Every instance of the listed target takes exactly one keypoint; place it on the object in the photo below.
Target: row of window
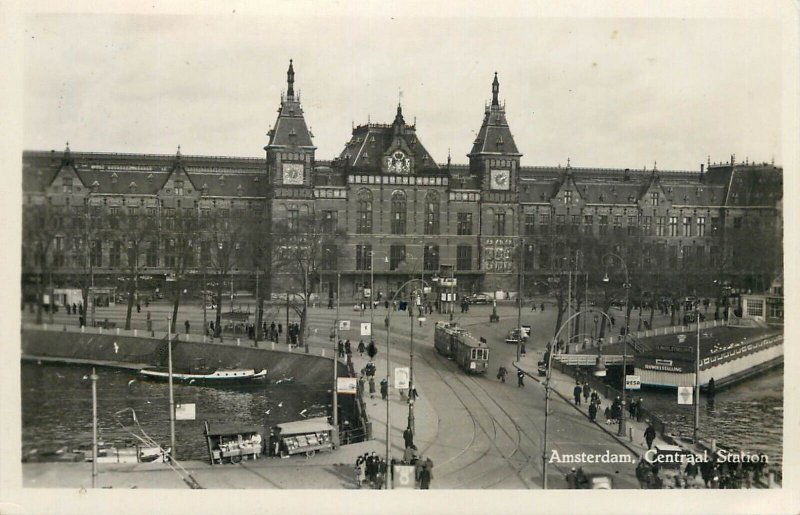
(686, 226)
(397, 255)
(402, 180)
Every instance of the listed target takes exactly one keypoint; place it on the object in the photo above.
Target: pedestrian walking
(361, 473)
(592, 411)
(384, 388)
(649, 434)
(347, 350)
(533, 307)
(186, 324)
(572, 479)
(607, 414)
(138, 308)
(520, 378)
(576, 392)
(541, 308)
(361, 348)
(372, 386)
(501, 374)
(586, 391)
(425, 477)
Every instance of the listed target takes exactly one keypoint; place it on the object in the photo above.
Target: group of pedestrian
(370, 469)
(576, 478)
(344, 349)
(369, 372)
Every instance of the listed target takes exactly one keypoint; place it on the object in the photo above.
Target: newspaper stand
(232, 443)
(304, 436)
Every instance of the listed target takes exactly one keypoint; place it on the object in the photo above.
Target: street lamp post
(388, 374)
(697, 382)
(547, 389)
(627, 286)
(94, 378)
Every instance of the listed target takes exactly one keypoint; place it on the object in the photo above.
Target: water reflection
(57, 407)
(747, 416)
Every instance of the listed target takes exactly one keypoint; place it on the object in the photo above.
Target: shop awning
(311, 425)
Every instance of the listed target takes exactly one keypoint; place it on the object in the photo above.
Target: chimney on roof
(701, 171)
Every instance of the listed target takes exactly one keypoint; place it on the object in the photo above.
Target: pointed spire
(178, 153)
(448, 157)
(290, 80)
(495, 90)
(399, 122)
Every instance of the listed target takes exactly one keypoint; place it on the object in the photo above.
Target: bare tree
(302, 249)
(180, 236)
(40, 224)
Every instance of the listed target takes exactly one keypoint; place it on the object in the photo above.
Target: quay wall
(111, 348)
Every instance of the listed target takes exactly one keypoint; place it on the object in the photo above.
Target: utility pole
(94, 378)
(519, 300)
(697, 382)
(287, 318)
(171, 398)
(335, 369)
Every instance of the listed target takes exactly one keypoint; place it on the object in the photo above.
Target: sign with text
(401, 375)
(403, 476)
(366, 329)
(344, 325)
(367, 293)
(346, 385)
(685, 395)
(185, 411)
(633, 382)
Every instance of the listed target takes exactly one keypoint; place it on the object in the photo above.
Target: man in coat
(649, 434)
(576, 393)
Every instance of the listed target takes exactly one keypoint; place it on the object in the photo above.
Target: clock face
(292, 173)
(499, 180)
(398, 162)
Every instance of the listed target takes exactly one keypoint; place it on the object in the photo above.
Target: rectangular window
(755, 307)
(169, 253)
(559, 222)
(687, 226)
(647, 222)
(530, 224)
(133, 213)
(673, 256)
(363, 258)
(330, 257)
(603, 224)
(292, 220)
(544, 223)
(115, 256)
(399, 222)
(673, 225)
(430, 257)
(588, 221)
(205, 253)
(97, 253)
(179, 187)
(432, 218)
(699, 256)
(528, 256)
(330, 222)
(618, 224)
(661, 222)
(67, 185)
(397, 254)
(568, 197)
(701, 226)
(464, 224)
(654, 198)
(499, 224)
(464, 257)
(188, 258)
(151, 259)
(364, 218)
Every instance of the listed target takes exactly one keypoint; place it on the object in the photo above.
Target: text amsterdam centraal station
(491, 224)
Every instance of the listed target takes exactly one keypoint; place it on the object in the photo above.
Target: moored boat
(215, 376)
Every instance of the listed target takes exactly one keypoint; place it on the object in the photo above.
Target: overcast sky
(604, 92)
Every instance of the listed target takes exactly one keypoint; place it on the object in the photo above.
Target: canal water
(747, 416)
(57, 407)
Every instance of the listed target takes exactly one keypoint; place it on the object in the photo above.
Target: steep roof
(494, 136)
(371, 142)
(290, 128)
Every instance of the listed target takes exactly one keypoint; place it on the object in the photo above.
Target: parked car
(513, 336)
(479, 298)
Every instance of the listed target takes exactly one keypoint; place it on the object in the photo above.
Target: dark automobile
(479, 298)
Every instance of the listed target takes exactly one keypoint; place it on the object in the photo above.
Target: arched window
(399, 211)
(364, 212)
(432, 213)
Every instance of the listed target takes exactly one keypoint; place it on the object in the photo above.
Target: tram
(457, 344)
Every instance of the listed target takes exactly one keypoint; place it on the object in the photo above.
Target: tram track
(479, 411)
